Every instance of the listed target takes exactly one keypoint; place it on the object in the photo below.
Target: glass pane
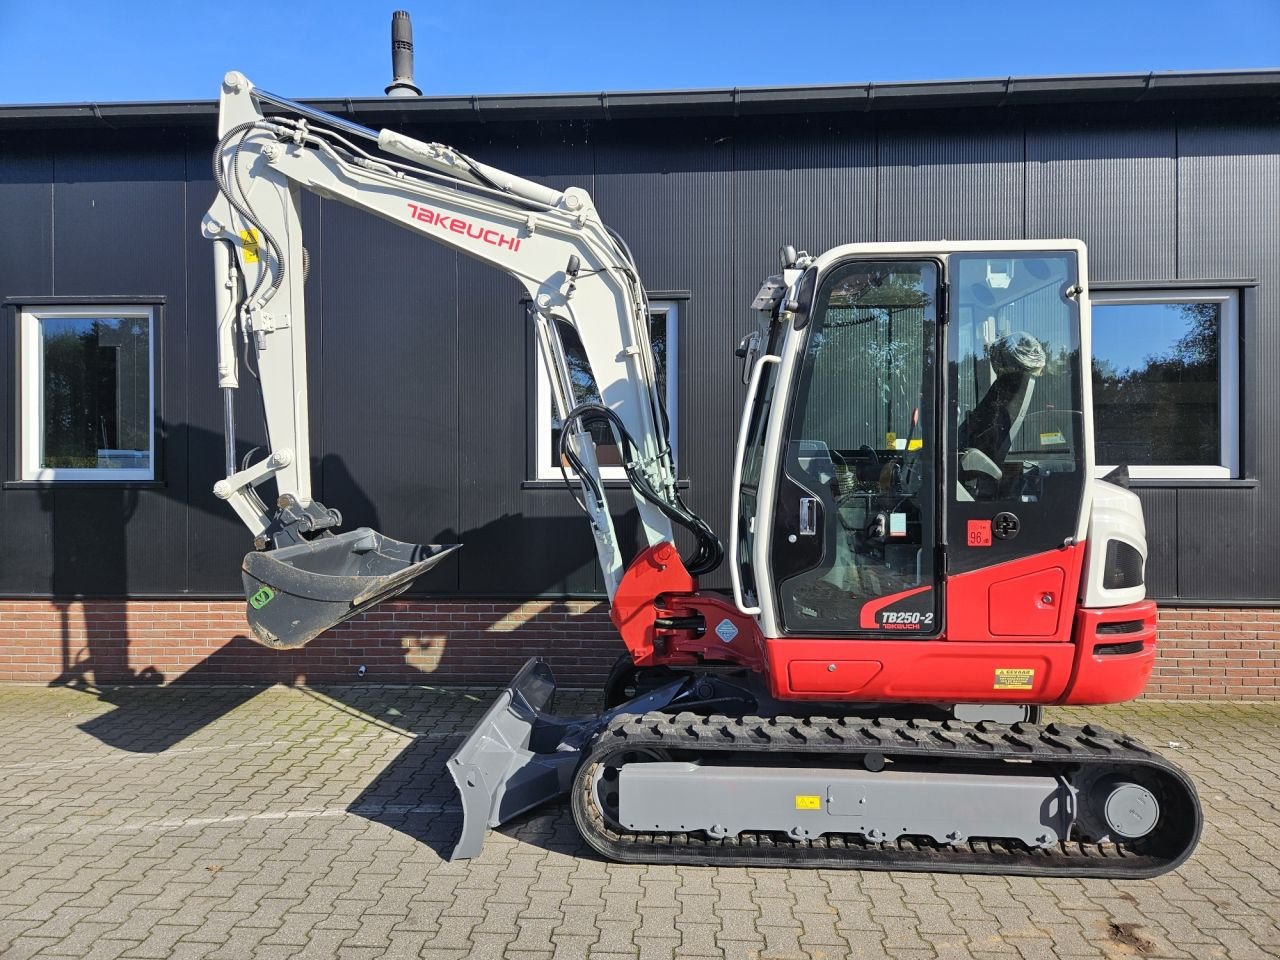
(95, 393)
(1156, 394)
(1016, 424)
(861, 449)
(585, 390)
(1015, 375)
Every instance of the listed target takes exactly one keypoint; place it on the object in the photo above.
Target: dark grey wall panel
(1114, 187)
(672, 197)
(422, 362)
(812, 185)
(119, 222)
(1228, 211)
(517, 540)
(388, 418)
(26, 236)
(1160, 510)
(1220, 551)
(26, 269)
(950, 183)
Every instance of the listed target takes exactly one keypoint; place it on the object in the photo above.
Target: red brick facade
(1221, 653)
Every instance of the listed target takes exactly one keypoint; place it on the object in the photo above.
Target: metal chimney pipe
(402, 57)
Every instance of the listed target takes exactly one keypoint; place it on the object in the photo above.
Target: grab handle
(735, 574)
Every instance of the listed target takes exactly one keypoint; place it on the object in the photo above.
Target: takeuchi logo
(476, 231)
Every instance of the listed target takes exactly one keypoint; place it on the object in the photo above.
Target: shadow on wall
(152, 712)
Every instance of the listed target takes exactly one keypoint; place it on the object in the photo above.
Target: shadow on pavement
(150, 718)
(415, 795)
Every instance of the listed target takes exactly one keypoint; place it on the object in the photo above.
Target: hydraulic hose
(709, 552)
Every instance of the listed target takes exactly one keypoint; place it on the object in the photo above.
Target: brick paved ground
(246, 823)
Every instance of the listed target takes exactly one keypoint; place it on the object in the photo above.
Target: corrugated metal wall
(422, 361)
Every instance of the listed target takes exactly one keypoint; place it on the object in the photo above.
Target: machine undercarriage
(681, 776)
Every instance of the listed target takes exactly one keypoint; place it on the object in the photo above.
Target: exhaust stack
(402, 84)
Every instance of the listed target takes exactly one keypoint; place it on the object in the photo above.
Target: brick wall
(208, 641)
(1228, 654)
(1217, 653)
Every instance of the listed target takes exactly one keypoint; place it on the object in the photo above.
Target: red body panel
(925, 670)
(1065, 655)
(989, 604)
(1104, 676)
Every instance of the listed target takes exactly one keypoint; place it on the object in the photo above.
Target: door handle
(808, 516)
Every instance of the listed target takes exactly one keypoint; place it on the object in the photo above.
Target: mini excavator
(922, 553)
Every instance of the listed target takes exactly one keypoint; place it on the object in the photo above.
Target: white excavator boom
(573, 269)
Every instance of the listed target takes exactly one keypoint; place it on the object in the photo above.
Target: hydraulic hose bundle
(709, 551)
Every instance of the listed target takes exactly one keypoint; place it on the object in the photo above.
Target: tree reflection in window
(1156, 383)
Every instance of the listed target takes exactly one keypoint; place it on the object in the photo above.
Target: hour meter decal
(476, 231)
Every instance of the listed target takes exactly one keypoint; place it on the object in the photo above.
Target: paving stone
(239, 840)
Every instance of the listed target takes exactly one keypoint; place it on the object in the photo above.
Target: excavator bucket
(296, 593)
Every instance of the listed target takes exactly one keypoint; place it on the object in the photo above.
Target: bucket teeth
(293, 594)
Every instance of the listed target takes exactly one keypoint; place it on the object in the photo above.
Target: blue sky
(77, 50)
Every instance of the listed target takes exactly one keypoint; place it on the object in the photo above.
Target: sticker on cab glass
(897, 524)
(979, 533)
(250, 244)
(1051, 438)
(1014, 678)
(806, 801)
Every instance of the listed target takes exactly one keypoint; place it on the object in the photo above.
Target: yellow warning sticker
(916, 444)
(808, 802)
(249, 243)
(1014, 678)
(890, 440)
(1051, 438)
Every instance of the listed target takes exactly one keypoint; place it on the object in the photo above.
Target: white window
(1166, 382)
(87, 393)
(663, 326)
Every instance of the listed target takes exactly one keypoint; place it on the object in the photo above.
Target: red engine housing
(1013, 633)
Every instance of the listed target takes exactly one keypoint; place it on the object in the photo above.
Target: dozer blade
(512, 760)
(296, 593)
(519, 755)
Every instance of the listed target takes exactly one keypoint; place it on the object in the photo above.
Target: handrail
(735, 574)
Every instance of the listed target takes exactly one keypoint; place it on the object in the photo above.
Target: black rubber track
(1052, 748)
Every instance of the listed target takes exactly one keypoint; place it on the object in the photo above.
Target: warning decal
(249, 244)
(808, 802)
(1014, 678)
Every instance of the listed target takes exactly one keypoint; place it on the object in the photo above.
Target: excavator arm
(304, 577)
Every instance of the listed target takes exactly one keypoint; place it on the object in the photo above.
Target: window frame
(543, 468)
(1229, 375)
(30, 435)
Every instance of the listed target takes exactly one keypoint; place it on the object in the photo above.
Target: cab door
(855, 525)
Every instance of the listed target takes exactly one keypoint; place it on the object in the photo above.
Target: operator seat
(987, 433)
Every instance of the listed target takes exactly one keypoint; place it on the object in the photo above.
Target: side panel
(1007, 602)
(921, 671)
